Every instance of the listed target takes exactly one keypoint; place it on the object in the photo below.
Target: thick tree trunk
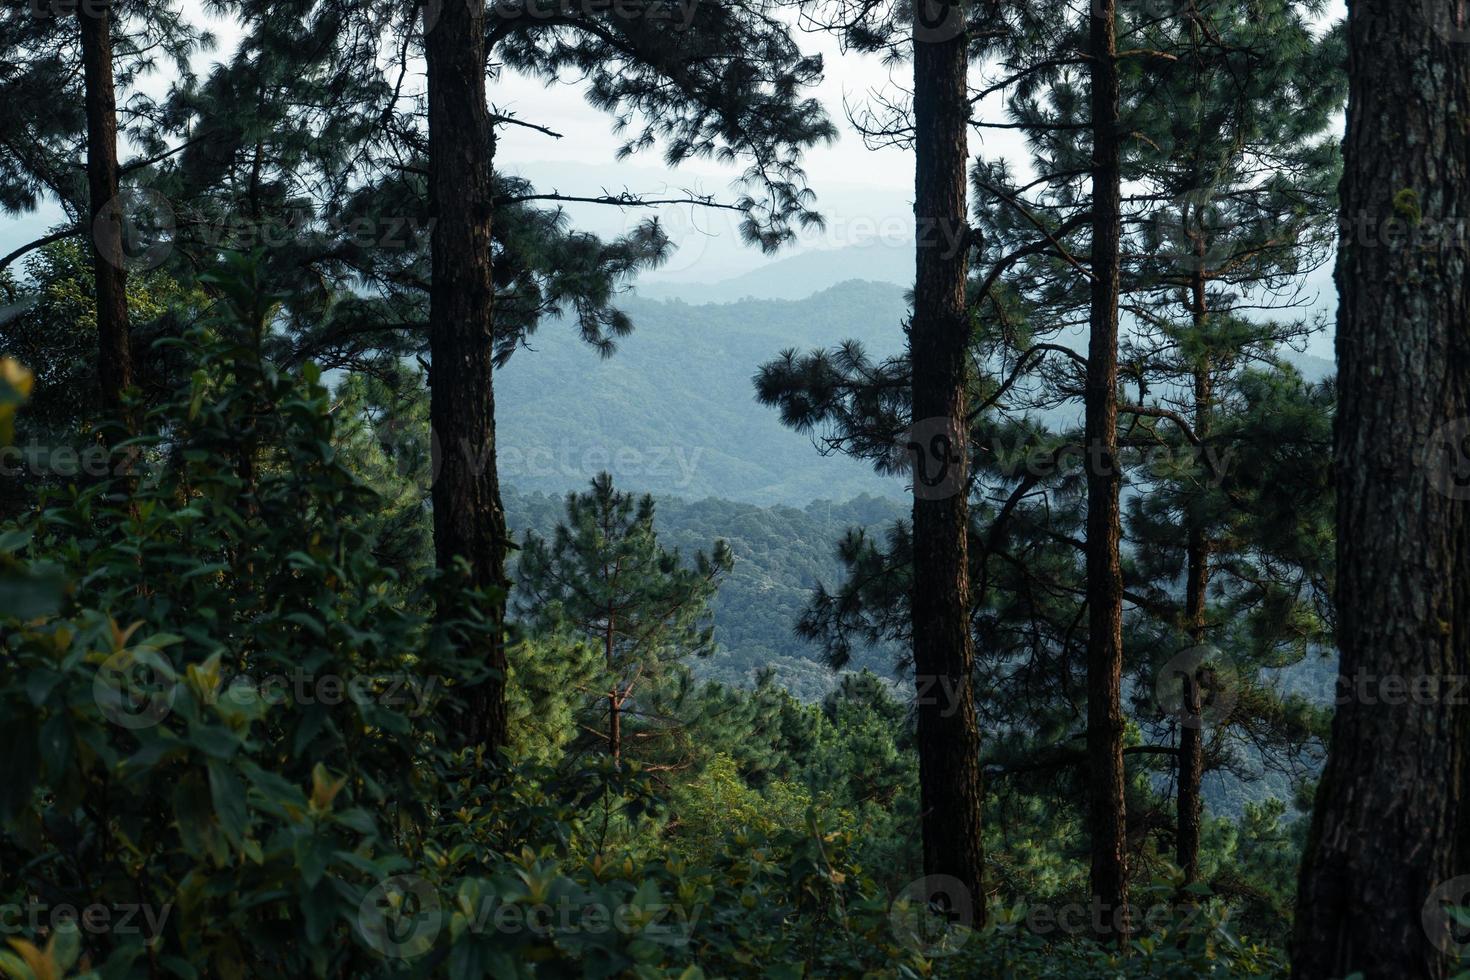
(1388, 825)
(114, 348)
(1104, 526)
(469, 521)
(948, 734)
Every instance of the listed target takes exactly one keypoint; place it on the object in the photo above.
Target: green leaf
(359, 820)
(312, 856)
(66, 945)
(214, 741)
(227, 793)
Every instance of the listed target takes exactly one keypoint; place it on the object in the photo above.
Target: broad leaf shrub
(222, 721)
(225, 718)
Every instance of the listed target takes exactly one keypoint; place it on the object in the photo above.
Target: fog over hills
(673, 412)
(800, 276)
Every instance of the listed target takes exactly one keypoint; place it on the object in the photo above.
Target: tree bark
(114, 347)
(1106, 804)
(469, 521)
(1388, 826)
(948, 734)
(1190, 771)
(1191, 731)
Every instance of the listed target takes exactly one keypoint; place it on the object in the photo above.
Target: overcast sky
(863, 193)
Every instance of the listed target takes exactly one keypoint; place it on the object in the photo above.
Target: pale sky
(863, 193)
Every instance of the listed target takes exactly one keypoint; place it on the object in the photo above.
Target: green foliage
(51, 326)
(719, 798)
(213, 721)
(780, 554)
(254, 823)
(605, 580)
(383, 434)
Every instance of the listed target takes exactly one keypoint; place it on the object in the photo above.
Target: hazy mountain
(1312, 368)
(799, 276)
(673, 412)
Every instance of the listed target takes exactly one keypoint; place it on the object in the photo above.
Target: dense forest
(399, 579)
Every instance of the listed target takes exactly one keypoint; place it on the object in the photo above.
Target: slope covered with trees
(673, 413)
(781, 555)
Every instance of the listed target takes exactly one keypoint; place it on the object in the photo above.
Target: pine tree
(469, 519)
(926, 405)
(1203, 90)
(115, 354)
(605, 578)
(1235, 100)
(728, 82)
(1389, 824)
(948, 738)
(80, 56)
(1107, 806)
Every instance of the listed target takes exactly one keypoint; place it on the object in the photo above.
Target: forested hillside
(781, 555)
(673, 412)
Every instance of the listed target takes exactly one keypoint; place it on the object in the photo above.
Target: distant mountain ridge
(673, 412)
(798, 277)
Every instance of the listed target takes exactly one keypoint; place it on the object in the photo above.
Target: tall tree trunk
(1191, 763)
(948, 734)
(114, 347)
(1198, 547)
(1388, 825)
(1106, 821)
(469, 521)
